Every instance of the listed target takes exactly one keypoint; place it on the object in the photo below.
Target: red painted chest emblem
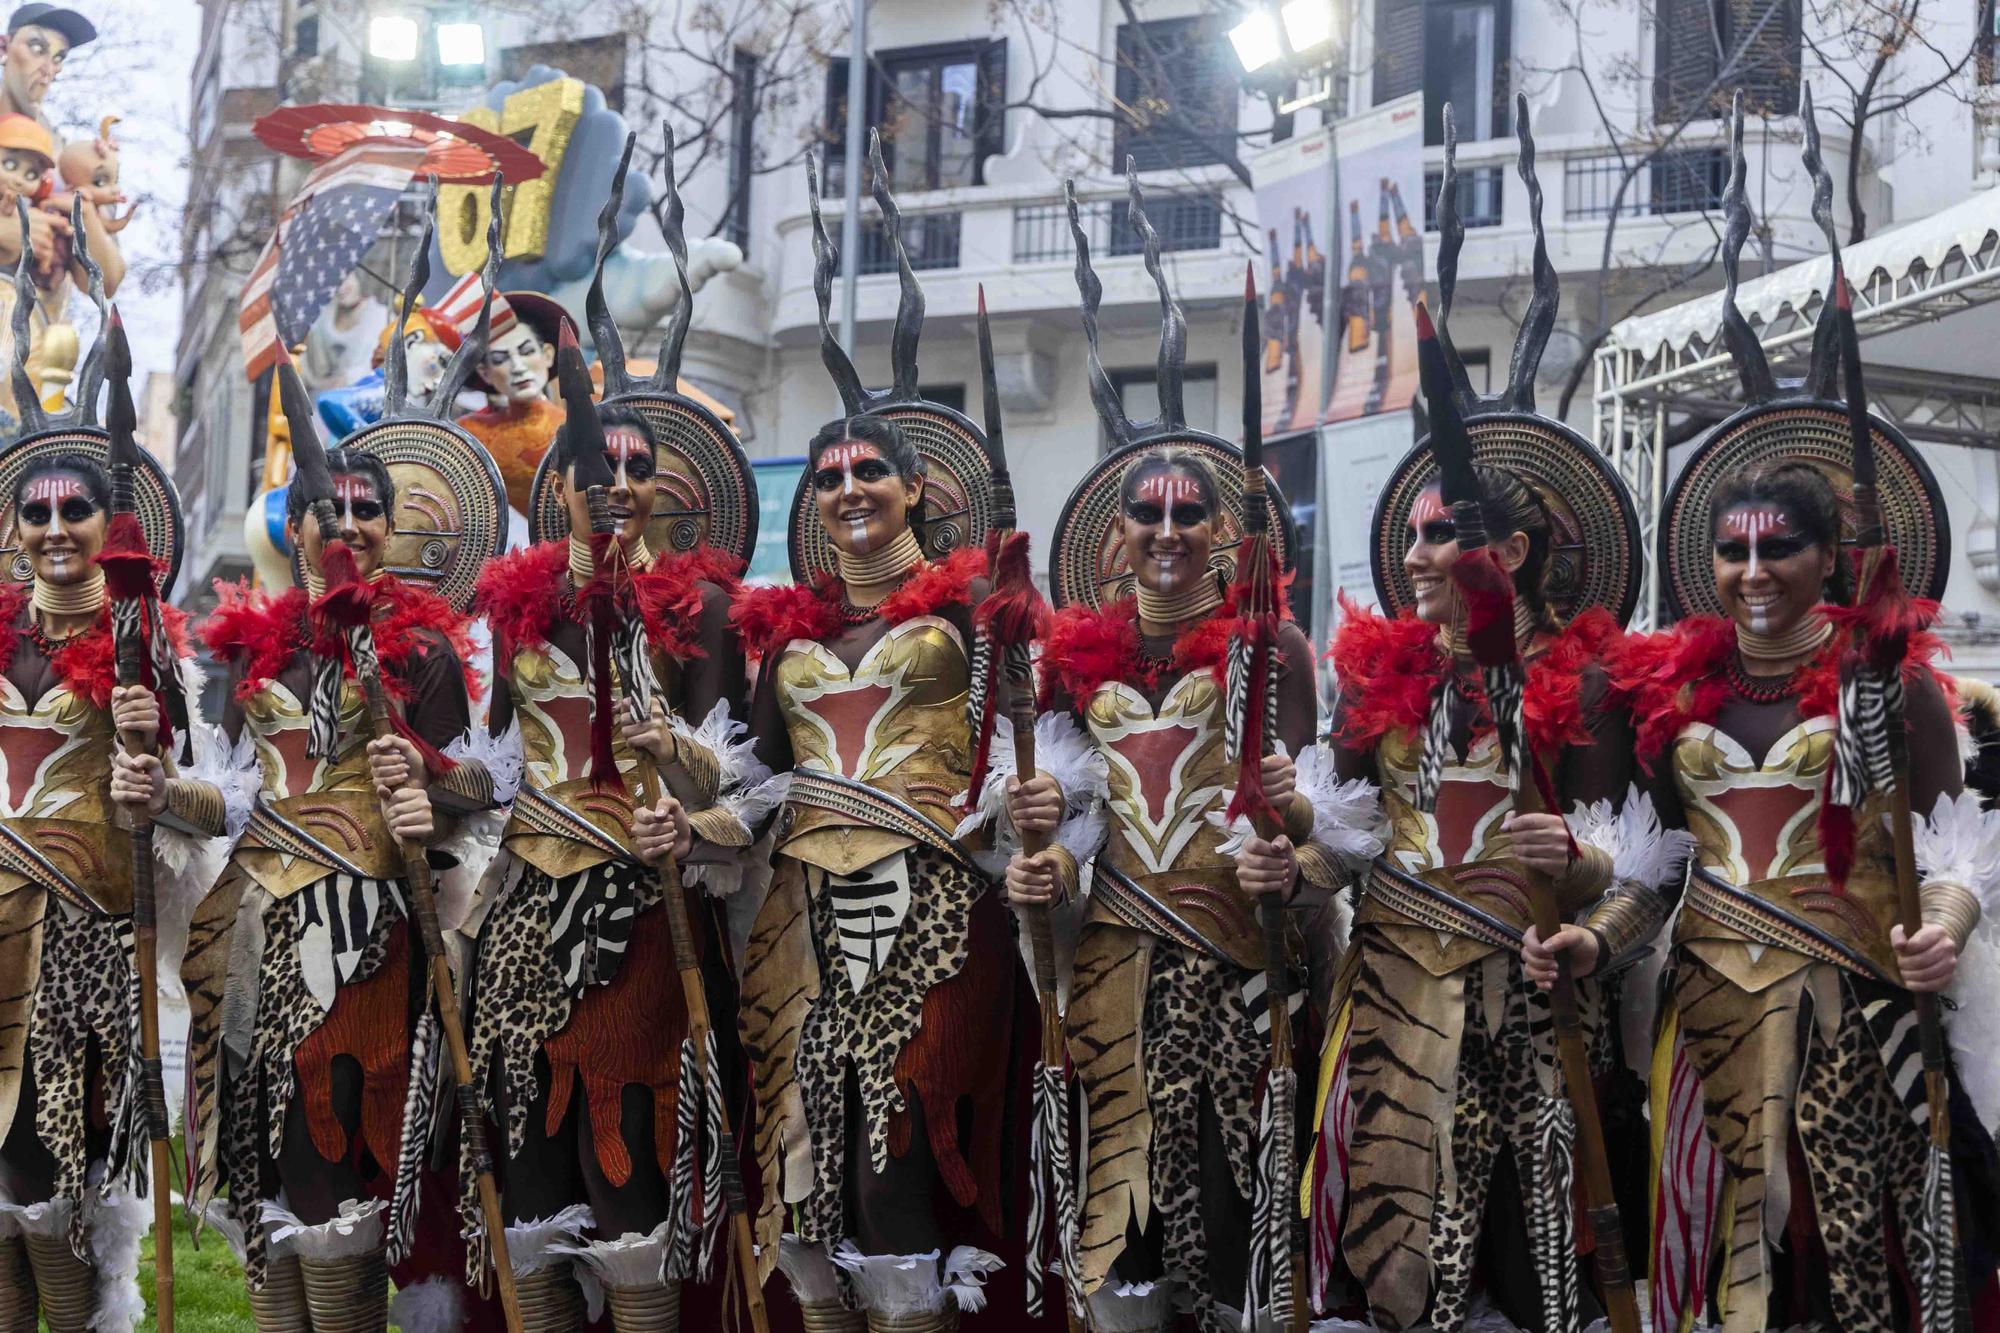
(26, 749)
(1763, 817)
(1152, 754)
(848, 712)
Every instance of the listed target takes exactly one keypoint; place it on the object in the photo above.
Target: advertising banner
(1380, 166)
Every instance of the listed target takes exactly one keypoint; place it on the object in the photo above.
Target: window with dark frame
(940, 110)
(1989, 41)
(742, 149)
(305, 37)
(1759, 39)
(1177, 81)
(1138, 390)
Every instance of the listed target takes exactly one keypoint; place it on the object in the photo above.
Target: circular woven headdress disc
(706, 492)
(1087, 556)
(1594, 557)
(958, 489)
(451, 510)
(1802, 431)
(159, 503)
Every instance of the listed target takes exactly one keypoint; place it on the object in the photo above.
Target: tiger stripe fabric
(780, 983)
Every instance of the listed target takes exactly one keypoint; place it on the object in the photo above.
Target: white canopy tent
(1924, 295)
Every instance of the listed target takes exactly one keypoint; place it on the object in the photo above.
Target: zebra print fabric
(1871, 709)
(1437, 745)
(590, 922)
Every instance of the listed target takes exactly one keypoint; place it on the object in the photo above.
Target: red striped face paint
(1167, 490)
(1753, 525)
(840, 468)
(56, 498)
(1754, 533)
(621, 445)
(352, 489)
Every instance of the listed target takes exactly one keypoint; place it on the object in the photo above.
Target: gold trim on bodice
(895, 723)
(1167, 773)
(562, 823)
(55, 800)
(1756, 831)
(314, 817)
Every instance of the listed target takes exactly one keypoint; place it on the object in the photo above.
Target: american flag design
(320, 237)
(459, 306)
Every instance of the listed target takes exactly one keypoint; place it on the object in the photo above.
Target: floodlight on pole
(1256, 41)
(392, 37)
(461, 44)
(1308, 23)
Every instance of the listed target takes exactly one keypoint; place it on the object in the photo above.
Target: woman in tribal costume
(576, 1007)
(1789, 1112)
(1441, 1074)
(1168, 1020)
(310, 1078)
(881, 979)
(72, 1129)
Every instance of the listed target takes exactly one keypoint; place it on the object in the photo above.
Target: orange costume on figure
(520, 355)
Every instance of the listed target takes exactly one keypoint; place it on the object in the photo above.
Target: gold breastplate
(313, 816)
(57, 828)
(1756, 828)
(895, 723)
(562, 823)
(1473, 797)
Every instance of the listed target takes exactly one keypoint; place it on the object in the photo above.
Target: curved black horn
(826, 259)
(1751, 365)
(90, 375)
(1823, 370)
(472, 348)
(667, 374)
(1451, 241)
(1173, 324)
(596, 313)
(27, 401)
(396, 362)
(910, 300)
(1540, 319)
(1103, 393)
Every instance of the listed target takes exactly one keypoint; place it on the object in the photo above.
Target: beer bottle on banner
(1404, 231)
(1274, 311)
(1315, 269)
(1354, 292)
(1409, 244)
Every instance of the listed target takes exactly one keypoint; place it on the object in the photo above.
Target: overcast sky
(138, 71)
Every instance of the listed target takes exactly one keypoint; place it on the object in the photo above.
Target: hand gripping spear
(1488, 592)
(1011, 618)
(613, 618)
(135, 618)
(346, 602)
(1250, 727)
(1874, 756)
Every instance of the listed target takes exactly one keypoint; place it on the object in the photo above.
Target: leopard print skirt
(89, 993)
(867, 1033)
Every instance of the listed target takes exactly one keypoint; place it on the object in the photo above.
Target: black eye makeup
(366, 511)
(868, 470)
(75, 509)
(1438, 532)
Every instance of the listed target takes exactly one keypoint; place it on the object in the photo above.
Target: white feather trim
(735, 750)
(48, 1218)
(501, 756)
(188, 864)
(1064, 753)
(117, 1221)
(1347, 816)
(1975, 991)
(751, 806)
(1959, 843)
(634, 1261)
(1133, 1307)
(533, 1246)
(435, 1305)
(357, 1229)
(893, 1284)
(965, 1271)
(1641, 851)
(809, 1269)
(218, 1217)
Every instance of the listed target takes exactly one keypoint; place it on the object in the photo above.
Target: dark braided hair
(1512, 505)
(1804, 493)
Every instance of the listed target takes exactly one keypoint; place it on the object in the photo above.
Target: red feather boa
(87, 663)
(1388, 668)
(769, 618)
(1677, 679)
(522, 596)
(261, 633)
(1088, 648)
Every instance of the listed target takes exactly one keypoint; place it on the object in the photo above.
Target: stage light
(1256, 41)
(1308, 23)
(461, 44)
(392, 37)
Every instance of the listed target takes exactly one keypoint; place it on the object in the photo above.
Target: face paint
(844, 456)
(1752, 525)
(1429, 508)
(621, 447)
(347, 490)
(1155, 500)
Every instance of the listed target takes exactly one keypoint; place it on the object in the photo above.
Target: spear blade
(996, 444)
(1255, 520)
(121, 419)
(1860, 430)
(580, 421)
(312, 479)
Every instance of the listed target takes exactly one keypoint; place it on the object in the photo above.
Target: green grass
(208, 1285)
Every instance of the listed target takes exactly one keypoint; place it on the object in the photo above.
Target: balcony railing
(1184, 222)
(1689, 180)
(1478, 196)
(931, 240)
